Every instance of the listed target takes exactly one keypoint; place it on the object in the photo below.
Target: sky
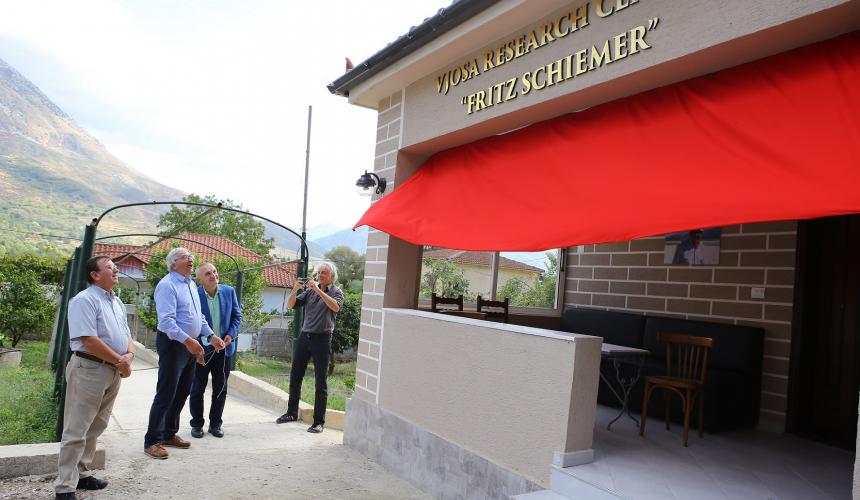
(212, 97)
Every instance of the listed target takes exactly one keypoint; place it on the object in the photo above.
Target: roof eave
(432, 28)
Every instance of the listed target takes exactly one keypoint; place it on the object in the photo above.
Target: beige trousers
(91, 389)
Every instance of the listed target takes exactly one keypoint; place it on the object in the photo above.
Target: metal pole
(62, 308)
(307, 169)
(302, 268)
(240, 280)
(63, 350)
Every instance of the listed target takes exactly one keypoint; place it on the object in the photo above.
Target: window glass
(529, 279)
(450, 273)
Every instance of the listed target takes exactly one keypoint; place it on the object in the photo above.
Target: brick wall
(388, 136)
(631, 276)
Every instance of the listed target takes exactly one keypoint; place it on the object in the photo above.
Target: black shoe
(316, 428)
(286, 417)
(197, 432)
(216, 431)
(66, 496)
(91, 483)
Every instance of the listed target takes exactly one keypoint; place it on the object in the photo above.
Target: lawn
(28, 412)
(277, 373)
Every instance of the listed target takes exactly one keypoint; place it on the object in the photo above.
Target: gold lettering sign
(575, 64)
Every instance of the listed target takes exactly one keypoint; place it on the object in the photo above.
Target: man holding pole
(180, 325)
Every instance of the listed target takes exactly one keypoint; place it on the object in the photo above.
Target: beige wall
(631, 276)
(737, 30)
(511, 394)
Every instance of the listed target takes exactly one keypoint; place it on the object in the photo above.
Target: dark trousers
(218, 364)
(175, 374)
(316, 346)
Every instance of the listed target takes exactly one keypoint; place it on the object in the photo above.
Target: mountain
(322, 230)
(287, 241)
(356, 240)
(55, 177)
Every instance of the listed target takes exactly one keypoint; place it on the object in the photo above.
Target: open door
(825, 357)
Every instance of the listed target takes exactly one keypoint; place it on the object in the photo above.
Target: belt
(97, 359)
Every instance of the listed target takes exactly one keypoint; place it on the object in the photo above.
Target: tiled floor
(736, 465)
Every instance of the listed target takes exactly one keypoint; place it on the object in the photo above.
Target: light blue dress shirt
(178, 307)
(95, 312)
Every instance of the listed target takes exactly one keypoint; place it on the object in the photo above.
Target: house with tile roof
(132, 260)
(477, 267)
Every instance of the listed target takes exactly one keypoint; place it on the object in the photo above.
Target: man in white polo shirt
(102, 354)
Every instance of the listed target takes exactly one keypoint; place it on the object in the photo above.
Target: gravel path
(256, 459)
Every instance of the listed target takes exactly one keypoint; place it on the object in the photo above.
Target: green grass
(28, 411)
(277, 373)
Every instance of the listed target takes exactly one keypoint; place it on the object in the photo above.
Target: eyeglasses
(185, 257)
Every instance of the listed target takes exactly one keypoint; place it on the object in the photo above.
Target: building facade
(491, 68)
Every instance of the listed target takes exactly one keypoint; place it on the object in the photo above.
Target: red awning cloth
(774, 139)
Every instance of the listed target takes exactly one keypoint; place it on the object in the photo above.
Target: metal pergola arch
(76, 280)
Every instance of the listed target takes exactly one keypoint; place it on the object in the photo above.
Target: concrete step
(564, 481)
(36, 459)
(539, 495)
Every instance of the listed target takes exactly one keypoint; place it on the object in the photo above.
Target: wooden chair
(686, 377)
(498, 308)
(436, 300)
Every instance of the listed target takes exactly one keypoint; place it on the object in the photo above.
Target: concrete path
(256, 458)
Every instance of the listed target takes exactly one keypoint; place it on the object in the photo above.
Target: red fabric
(774, 139)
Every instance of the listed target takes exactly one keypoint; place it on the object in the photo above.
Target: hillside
(55, 177)
(356, 240)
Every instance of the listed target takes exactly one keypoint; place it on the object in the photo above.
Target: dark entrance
(825, 355)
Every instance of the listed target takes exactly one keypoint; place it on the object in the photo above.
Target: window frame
(519, 310)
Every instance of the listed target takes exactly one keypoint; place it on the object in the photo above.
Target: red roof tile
(283, 276)
(478, 259)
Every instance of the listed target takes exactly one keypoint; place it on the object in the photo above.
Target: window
(529, 279)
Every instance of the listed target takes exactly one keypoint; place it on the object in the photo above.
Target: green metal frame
(76, 280)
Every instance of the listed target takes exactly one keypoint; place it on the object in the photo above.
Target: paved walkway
(256, 458)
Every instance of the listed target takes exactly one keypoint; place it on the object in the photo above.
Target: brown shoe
(176, 442)
(156, 451)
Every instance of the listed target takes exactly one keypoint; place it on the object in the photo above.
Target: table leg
(626, 384)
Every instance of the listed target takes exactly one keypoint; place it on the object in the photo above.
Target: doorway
(824, 377)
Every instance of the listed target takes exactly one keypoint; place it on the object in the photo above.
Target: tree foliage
(347, 324)
(350, 267)
(29, 286)
(541, 293)
(251, 301)
(240, 228)
(445, 279)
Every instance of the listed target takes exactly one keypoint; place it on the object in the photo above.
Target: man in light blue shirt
(180, 325)
(101, 342)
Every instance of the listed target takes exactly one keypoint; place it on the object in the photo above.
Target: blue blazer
(231, 314)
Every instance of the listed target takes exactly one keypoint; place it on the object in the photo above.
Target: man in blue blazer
(221, 309)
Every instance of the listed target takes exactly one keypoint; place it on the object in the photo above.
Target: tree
(443, 278)
(542, 293)
(346, 326)
(242, 229)
(350, 267)
(28, 294)
(251, 302)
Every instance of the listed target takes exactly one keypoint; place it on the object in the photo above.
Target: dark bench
(733, 383)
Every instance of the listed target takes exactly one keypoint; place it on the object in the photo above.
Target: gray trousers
(91, 389)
